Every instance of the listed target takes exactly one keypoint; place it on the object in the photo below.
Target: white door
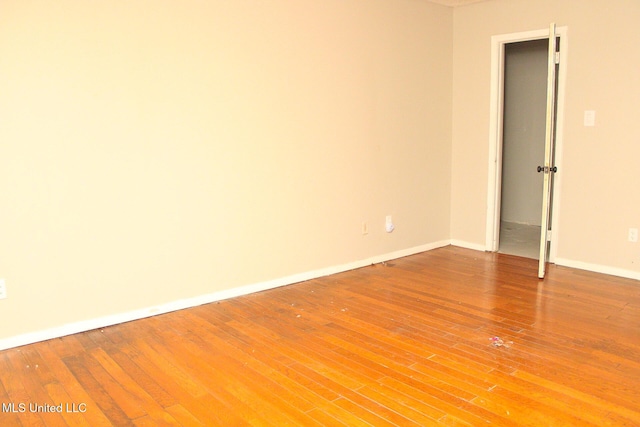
(548, 169)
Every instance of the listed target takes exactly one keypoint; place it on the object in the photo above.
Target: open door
(549, 148)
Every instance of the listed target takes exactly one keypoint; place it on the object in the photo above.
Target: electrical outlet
(633, 235)
(589, 118)
(388, 224)
(3, 289)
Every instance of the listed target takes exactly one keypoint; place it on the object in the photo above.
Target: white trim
(468, 245)
(598, 268)
(495, 142)
(495, 134)
(105, 321)
(565, 262)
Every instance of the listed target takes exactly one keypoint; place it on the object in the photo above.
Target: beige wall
(599, 184)
(153, 151)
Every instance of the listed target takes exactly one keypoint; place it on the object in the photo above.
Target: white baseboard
(468, 245)
(105, 321)
(598, 268)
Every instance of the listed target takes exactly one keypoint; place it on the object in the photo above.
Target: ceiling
(453, 3)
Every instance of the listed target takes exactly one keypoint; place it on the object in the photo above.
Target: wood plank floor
(406, 343)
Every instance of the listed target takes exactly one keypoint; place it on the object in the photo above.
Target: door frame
(496, 109)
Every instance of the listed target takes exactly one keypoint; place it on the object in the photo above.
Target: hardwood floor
(397, 344)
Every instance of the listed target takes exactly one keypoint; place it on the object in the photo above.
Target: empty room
(288, 212)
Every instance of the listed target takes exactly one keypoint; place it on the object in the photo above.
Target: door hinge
(548, 235)
(557, 57)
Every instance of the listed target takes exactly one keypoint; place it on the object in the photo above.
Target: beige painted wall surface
(158, 150)
(599, 195)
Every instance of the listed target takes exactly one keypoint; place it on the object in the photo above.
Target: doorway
(523, 135)
(515, 200)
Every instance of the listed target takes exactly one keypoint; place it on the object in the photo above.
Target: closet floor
(519, 239)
